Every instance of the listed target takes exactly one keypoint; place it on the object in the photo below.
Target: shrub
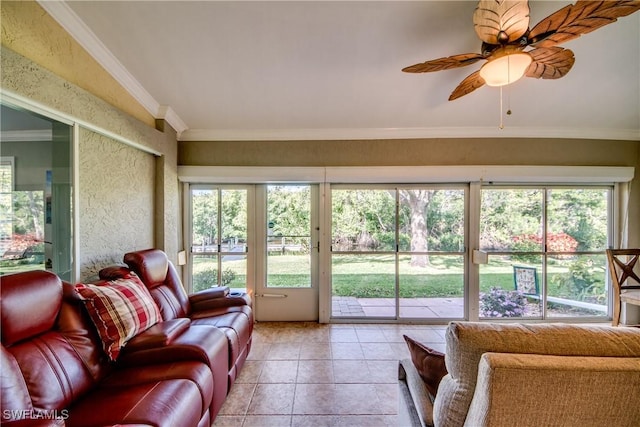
(556, 242)
(500, 303)
(209, 278)
(582, 282)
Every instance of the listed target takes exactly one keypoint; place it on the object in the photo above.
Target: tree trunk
(418, 200)
(35, 210)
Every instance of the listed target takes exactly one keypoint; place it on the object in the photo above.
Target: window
(218, 237)
(546, 252)
(6, 202)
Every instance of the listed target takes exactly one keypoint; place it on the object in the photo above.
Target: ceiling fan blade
(550, 63)
(572, 21)
(468, 85)
(499, 22)
(447, 63)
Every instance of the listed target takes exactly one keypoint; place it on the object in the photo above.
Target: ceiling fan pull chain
(509, 100)
(501, 123)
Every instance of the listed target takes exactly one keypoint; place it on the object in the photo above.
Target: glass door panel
(218, 237)
(431, 229)
(289, 236)
(577, 236)
(363, 250)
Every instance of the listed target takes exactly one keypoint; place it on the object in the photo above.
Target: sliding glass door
(398, 252)
(545, 250)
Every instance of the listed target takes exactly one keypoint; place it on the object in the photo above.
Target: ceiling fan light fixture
(506, 69)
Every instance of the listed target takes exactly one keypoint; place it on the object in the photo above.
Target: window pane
(204, 207)
(577, 220)
(6, 177)
(363, 285)
(510, 287)
(511, 220)
(205, 272)
(234, 220)
(577, 285)
(289, 236)
(234, 271)
(363, 220)
(435, 291)
(431, 220)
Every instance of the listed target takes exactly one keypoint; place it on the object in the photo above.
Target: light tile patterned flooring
(313, 375)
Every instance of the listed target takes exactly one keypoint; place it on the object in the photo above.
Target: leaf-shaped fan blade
(500, 22)
(572, 21)
(447, 63)
(550, 62)
(468, 85)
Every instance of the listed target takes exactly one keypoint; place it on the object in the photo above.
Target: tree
(418, 202)
(204, 206)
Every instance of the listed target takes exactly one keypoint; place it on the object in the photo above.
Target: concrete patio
(413, 308)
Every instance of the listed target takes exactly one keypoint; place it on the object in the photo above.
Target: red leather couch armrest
(159, 335)
(208, 294)
(232, 299)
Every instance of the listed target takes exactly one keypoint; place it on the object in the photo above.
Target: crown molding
(170, 116)
(404, 133)
(26, 135)
(72, 24)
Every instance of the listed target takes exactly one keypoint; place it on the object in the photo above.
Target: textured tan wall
(116, 201)
(111, 173)
(28, 30)
(411, 152)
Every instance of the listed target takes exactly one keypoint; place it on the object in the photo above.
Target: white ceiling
(233, 70)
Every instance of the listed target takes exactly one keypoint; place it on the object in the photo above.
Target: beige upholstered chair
(624, 277)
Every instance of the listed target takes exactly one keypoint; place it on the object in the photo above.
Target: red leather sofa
(217, 307)
(54, 370)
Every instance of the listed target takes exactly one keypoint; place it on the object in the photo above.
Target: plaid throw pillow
(120, 309)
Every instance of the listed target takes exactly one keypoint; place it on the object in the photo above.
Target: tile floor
(307, 374)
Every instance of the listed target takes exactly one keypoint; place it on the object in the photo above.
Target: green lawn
(373, 276)
(16, 266)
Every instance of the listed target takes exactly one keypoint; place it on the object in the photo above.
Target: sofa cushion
(14, 396)
(428, 362)
(41, 292)
(468, 341)
(163, 403)
(583, 391)
(120, 309)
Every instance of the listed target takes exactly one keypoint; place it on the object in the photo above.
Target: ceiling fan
(503, 27)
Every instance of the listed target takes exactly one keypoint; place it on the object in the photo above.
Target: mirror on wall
(36, 221)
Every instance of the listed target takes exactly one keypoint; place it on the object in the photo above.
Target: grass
(17, 266)
(373, 276)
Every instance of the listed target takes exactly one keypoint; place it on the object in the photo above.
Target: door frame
(285, 304)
